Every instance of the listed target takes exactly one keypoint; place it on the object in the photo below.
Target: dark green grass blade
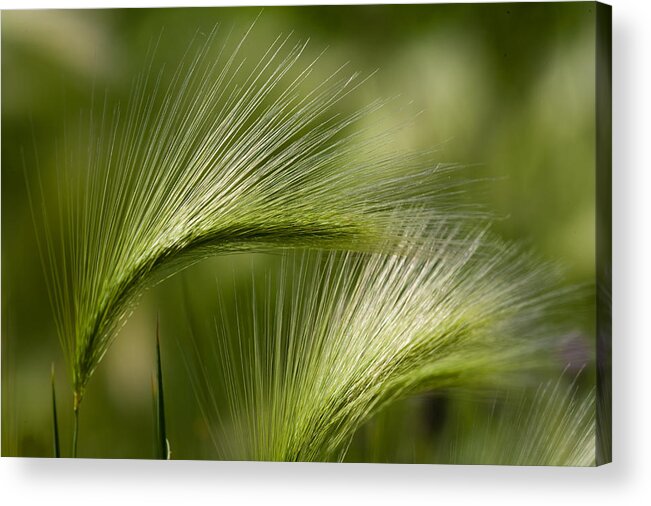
(55, 423)
(163, 450)
(154, 417)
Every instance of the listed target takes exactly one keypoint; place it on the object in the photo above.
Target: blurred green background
(506, 90)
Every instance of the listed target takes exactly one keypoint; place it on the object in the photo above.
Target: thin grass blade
(163, 446)
(55, 422)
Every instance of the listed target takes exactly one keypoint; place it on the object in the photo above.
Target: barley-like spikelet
(214, 158)
(341, 335)
(555, 426)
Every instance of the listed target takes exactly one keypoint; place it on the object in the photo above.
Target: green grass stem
(55, 423)
(163, 447)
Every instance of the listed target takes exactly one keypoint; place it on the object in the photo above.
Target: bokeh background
(506, 90)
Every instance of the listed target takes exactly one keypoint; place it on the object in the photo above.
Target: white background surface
(625, 482)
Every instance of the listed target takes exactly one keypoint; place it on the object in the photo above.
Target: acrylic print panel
(347, 234)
